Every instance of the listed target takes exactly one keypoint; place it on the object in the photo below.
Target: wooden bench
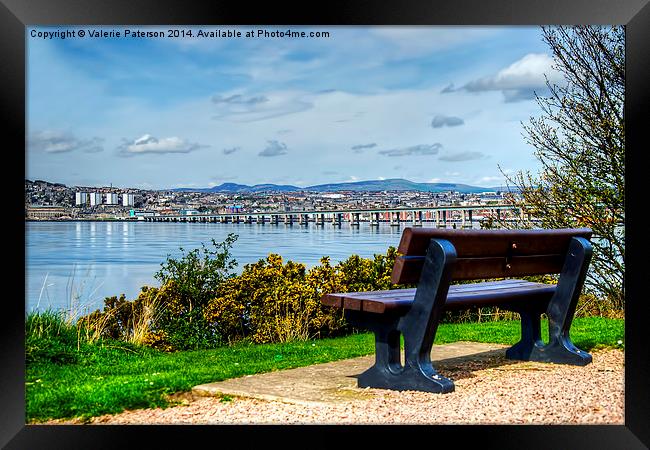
(433, 258)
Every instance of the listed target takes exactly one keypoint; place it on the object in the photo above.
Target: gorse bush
(272, 301)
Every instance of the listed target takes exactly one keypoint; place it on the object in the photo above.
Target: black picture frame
(17, 15)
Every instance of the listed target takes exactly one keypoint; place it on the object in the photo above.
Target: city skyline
(427, 104)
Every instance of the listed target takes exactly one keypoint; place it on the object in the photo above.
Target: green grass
(112, 377)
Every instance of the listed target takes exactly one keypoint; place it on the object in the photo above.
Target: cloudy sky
(429, 104)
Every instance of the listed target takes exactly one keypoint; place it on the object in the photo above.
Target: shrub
(276, 302)
(191, 282)
(172, 316)
(269, 302)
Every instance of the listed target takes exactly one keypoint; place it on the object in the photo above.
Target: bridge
(416, 216)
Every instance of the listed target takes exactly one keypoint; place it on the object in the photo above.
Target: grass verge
(110, 377)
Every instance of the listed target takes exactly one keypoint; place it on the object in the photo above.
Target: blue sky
(429, 104)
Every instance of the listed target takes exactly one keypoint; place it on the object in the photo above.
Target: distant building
(45, 212)
(81, 198)
(128, 199)
(189, 212)
(140, 213)
(111, 199)
(95, 198)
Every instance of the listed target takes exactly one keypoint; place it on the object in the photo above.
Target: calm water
(75, 265)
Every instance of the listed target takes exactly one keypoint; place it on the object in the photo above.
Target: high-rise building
(95, 198)
(128, 199)
(111, 199)
(81, 198)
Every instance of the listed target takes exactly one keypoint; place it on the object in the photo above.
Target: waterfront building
(81, 198)
(189, 212)
(128, 199)
(95, 198)
(111, 199)
(37, 212)
(141, 214)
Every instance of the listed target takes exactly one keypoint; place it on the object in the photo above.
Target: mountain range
(393, 184)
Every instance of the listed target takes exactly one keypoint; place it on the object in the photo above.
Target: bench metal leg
(531, 336)
(560, 311)
(387, 348)
(418, 327)
(420, 324)
(388, 372)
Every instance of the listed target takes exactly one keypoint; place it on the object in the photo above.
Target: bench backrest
(487, 253)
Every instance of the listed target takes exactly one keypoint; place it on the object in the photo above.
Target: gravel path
(496, 392)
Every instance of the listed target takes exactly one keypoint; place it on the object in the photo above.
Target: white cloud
(238, 108)
(440, 121)
(520, 79)
(54, 141)
(422, 149)
(274, 148)
(150, 144)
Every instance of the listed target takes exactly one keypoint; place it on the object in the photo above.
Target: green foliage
(273, 301)
(579, 139)
(171, 317)
(191, 282)
(198, 273)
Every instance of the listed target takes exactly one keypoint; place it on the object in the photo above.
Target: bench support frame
(560, 312)
(420, 324)
(418, 327)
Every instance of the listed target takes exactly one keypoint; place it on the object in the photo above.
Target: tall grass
(79, 300)
(50, 337)
(91, 329)
(143, 319)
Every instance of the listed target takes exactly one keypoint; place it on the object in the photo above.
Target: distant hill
(243, 188)
(48, 183)
(394, 184)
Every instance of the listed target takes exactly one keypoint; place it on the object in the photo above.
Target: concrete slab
(336, 381)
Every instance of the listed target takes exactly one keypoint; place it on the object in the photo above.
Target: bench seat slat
(399, 301)
(457, 288)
